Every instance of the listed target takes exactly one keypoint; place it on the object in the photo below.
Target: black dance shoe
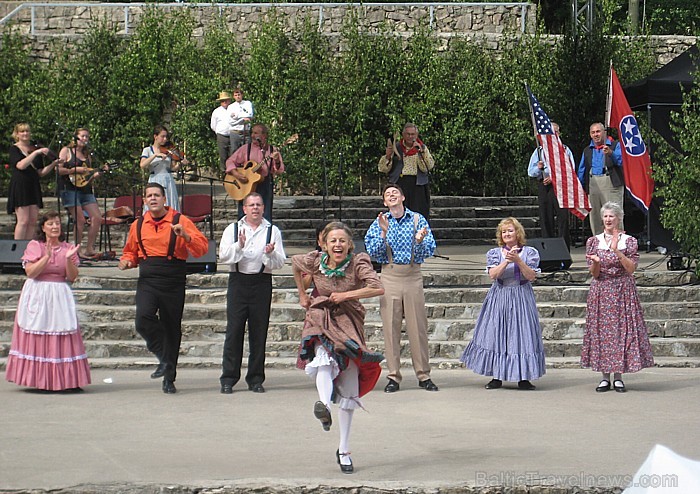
(322, 413)
(344, 468)
(392, 387)
(603, 386)
(226, 389)
(428, 385)
(526, 385)
(169, 387)
(619, 386)
(257, 388)
(159, 372)
(494, 384)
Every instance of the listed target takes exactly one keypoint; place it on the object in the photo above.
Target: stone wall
(62, 19)
(64, 23)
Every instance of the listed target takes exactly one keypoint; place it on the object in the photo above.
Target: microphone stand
(341, 186)
(324, 165)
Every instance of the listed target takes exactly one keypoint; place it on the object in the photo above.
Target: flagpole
(651, 136)
(608, 100)
(534, 125)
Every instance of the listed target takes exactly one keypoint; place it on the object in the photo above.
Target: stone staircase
(455, 220)
(106, 312)
(455, 290)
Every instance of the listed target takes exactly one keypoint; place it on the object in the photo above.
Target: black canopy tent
(660, 94)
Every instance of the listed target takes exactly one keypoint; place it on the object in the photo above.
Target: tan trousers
(601, 191)
(403, 296)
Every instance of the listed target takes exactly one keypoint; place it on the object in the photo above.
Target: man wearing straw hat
(220, 124)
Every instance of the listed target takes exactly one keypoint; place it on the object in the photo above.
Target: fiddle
(170, 149)
(50, 155)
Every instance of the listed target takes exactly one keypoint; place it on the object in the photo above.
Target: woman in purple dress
(507, 341)
(615, 339)
(333, 349)
(47, 351)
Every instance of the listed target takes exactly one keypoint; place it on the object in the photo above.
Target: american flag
(567, 186)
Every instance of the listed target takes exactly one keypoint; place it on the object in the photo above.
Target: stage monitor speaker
(206, 263)
(11, 252)
(554, 256)
(360, 247)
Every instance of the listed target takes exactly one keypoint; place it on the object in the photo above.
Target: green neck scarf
(339, 271)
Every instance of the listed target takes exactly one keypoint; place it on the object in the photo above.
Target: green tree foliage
(343, 97)
(678, 176)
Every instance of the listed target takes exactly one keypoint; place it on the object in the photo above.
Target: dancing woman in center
(333, 348)
(507, 342)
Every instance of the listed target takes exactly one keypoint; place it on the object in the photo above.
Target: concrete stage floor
(123, 433)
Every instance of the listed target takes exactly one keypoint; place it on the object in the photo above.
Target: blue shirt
(534, 171)
(598, 160)
(400, 237)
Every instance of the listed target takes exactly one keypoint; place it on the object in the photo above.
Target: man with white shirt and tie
(252, 247)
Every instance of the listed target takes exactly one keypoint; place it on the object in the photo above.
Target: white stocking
(324, 384)
(344, 424)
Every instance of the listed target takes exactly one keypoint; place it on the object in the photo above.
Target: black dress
(25, 189)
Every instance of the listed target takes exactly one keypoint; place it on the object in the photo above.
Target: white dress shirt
(252, 256)
(220, 121)
(238, 111)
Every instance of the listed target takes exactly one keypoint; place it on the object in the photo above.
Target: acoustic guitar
(238, 189)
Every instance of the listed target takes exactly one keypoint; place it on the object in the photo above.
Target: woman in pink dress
(47, 350)
(615, 340)
(333, 348)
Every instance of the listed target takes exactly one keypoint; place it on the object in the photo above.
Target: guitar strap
(272, 150)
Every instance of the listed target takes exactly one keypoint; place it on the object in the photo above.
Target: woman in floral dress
(333, 348)
(616, 339)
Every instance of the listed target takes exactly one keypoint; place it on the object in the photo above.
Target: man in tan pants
(401, 240)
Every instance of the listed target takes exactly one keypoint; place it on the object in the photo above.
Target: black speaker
(204, 264)
(554, 255)
(11, 252)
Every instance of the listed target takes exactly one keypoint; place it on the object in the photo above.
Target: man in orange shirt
(159, 244)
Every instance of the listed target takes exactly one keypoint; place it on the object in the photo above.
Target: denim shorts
(68, 198)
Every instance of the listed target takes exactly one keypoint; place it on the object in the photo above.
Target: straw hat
(223, 95)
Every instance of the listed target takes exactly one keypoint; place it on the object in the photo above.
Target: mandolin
(82, 179)
(236, 189)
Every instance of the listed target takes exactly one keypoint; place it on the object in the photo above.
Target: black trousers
(160, 299)
(417, 196)
(549, 208)
(248, 300)
(223, 144)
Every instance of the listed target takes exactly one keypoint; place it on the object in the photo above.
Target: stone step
(448, 331)
(212, 349)
(687, 296)
(184, 362)
(293, 312)
(455, 220)
(438, 273)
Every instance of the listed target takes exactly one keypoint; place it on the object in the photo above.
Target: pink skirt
(47, 361)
